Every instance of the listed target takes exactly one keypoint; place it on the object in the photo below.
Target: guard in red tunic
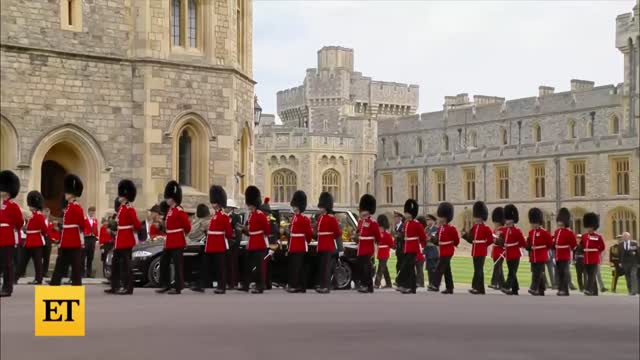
(11, 222)
(258, 229)
(564, 241)
(299, 237)
(539, 242)
(593, 245)
(448, 240)
(72, 238)
(126, 239)
(368, 236)
(329, 238)
(513, 241)
(497, 250)
(36, 233)
(414, 236)
(178, 226)
(384, 248)
(90, 238)
(480, 237)
(216, 249)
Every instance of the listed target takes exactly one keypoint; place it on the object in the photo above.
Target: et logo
(59, 311)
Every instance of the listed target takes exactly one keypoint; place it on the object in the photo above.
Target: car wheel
(154, 272)
(342, 275)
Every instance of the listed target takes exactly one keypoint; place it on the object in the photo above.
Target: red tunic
(91, 227)
(128, 226)
(301, 234)
(178, 225)
(482, 238)
(328, 232)
(385, 245)
(448, 239)
(219, 233)
(154, 231)
(11, 222)
(564, 240)
(496, 250)
(513, 241)
(259, 230)
(105, 236)
(72, 227)
(54, 233)
(414, 236)
(593, 245)
(540, 241)
(368, 235)
(36, 231)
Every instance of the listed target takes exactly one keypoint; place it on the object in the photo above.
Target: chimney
(546, 90)
(486, 100)
(581, 85)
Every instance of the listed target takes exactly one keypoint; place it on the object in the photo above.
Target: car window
(347, 226)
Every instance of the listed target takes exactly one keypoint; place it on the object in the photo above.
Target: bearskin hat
(536, 216)
(445, 210)
(411, 207)
(127, 190)
(591, 220)
(173, 190)
(299, 200)
(497, 216)
(480, 210)
(73, 185)
(383, 221)
(164, 208)
(252, 196)
(35, 200)
(511, 213)
(367, 203)
(326, 201)
(564, 216)
(202, 211)
(217, 195)
(9, 183)
(64, 202)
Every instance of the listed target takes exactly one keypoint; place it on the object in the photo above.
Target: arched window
(284, 183)
(419, 145)
(331, 183)
(8, 144)
(537, 133)
(589, 128)
(504, 140)
(571, 129)
(623, 220)
(473, 139)
(184, 158)
(382, 147)
(396, 148)
(614, 125)
(193, 24)
(71, 15)
(190, 151)
(356, 192)
(445, 143)
(186, 22)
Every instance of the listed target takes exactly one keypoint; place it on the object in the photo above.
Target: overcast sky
(495, 48)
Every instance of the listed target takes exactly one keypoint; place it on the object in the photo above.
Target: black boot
(162, 290)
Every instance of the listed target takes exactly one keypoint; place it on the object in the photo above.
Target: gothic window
(623, 220)
(190, 152)
(620, 176)
(571, 129)
(537, 175)
(382, 147)
(470, 184)
(536, 133)
(71, 15)
(445, 143)
(412, 184)
(440, 184)
(473, 139)
(614, 125)
(186, 27)
(504, 140)
(184, 158)
(284, 183)
(396, 148)
(192, 24)
(419, 145)
(502, 181)
(388, 188)
(331, 183)
(577, 177)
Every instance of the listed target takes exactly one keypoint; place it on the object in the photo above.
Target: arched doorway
(51, 186)
(8, 144)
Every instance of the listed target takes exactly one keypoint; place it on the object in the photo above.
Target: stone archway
(8, 144)
(69, 149)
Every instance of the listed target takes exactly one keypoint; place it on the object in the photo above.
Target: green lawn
(462, 268)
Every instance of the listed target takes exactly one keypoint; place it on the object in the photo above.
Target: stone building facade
(328, 137)
(576, 149)
(148, 90)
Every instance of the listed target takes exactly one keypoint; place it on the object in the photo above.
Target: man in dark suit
(398, 234)
(629, 252)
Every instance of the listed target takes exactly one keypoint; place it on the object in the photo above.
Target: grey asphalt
(341, 325)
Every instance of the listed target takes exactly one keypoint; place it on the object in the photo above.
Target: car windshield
(344, 220)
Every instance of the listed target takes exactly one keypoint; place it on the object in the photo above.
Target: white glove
(271, 252)
(341, 254)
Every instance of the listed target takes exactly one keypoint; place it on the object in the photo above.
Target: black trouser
(478, 274)
(399, 260)
(121, 270)
(564, 277)
(497, 277)
(326, 265)
(87, 255)
(580, 274)
(6, 268)
(17, 258)
(591, 281)
(383, 270)
(420, 273)
(255, 260)
(407, 278)
(68, 257)
(512, 276)
(46, 256)
(168, 256)
(632, 277)
(214, 260)
(444, 268)
(365, 264)
(232, 265)
(537, 277)
(296, 271)
(34, 254)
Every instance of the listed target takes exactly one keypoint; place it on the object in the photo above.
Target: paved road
(341, 325)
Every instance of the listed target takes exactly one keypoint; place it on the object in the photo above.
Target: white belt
(215, 232)
(478, 241)
(538, 247)
(590, 250)
(33, 231)
(296, 235)
(511, 244)
(562, 246)
(412, 238)
(367, 238)
(383, 246)
(125, 227)
(4, 225)
(325, 233)
(174, 231)
(69, 226)
(446, 243)
(256, 232)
